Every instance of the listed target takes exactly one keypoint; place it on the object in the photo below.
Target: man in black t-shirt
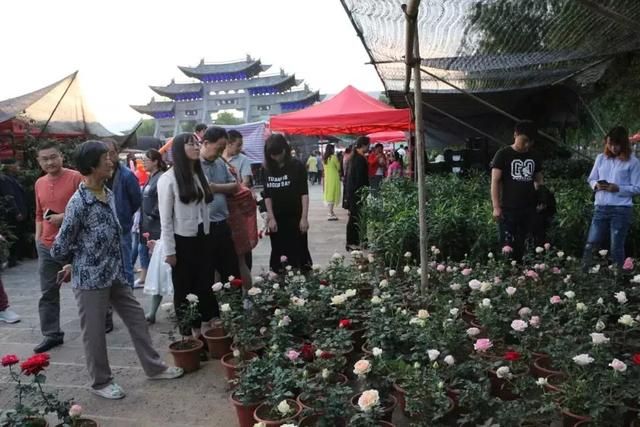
(516, 172)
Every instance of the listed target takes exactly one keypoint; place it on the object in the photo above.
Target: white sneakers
(9, 316)
(114, 392)
(169, 374)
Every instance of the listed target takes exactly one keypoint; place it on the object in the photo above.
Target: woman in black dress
(286, 197)
(357, 178)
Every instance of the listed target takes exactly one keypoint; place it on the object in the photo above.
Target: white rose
(370, 258)
(600, 301)
(167, 306)
(383, 310)
(542, 381)
(423, 314)
(227, 285)
(285, 321)
(570, 294)
(299, 302)
(217, 286)
(514, 263)
(316, 267)
(338, 299)
(598, 338)
(583, 359)
(225, 308)
(626, 320)
(416, 321)
(288, 268)
(384, 283)
(236, 353)
(433, 354)
(254, 291)
(263, 330)
(362, 367)
(455, 286)
(192, 298)
(519, 325)
(539, 250)
(621, 297)
(503, 372)
(560, 254)
(290, 274)
(350, 293)
(276, 286)
(636, 279)
(407, 254)
(486, 302)
(603, 252)
(277, 312)
(581, 306)
(490, 255)
(600, 325)
(406, 269)
(475, 284)
(449, 360)
(524, 312)
(454, 312)
(230, 279)
(260, 424)
(376, 300)
(376, 351)
(419, 271)
(368, 400)
(326, 373)
(258, 280)
(510, 290)
(284, 408)
(472, 332)
(318, 353)
(618, 365)
(486, 287)
(392, 273)
(336, 256)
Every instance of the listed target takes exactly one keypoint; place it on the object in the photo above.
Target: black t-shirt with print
(285, 187)
(518, 176)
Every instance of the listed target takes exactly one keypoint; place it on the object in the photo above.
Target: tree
(146, 128)
(227, 118)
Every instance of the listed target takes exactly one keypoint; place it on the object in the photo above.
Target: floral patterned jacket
(89, 238)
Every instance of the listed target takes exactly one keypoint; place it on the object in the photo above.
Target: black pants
(17, 249)
(353, 226)
(514, 228)
(192, 275)
(223, 253)
(290, 242)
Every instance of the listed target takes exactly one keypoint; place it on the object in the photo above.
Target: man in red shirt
(377, 167)
(52, 191)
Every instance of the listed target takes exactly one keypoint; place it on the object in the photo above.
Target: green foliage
(227, 118)
(146, 128)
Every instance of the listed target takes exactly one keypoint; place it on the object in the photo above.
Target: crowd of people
(194, 223)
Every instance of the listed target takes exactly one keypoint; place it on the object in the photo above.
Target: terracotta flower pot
(261, 414)
(85, 422)
(37, 422)
(217, 329)
(218, 345)
(570, 419)
(186, 354)
(312, 421)
(231, 364)
(542, 368)
(257, 348)
(388, 404)
(244, 412)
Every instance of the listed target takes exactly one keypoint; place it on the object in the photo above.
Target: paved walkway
(198, 399)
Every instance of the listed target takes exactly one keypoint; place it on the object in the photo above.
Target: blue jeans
(614, 221)
(125, 243)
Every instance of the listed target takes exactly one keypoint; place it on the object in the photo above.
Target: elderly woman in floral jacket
(89, 239)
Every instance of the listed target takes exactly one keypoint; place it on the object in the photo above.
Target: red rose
(636, 358)
(512, 356)
(9, 360)
(236, 283)
(345, 323)
(324, 282)
(326, 355)
(35, 364)
(307, 352)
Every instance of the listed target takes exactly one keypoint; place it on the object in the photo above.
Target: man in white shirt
(241, 163)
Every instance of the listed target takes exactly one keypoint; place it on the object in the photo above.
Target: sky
(121, 47)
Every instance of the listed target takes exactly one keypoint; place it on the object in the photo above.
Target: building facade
(237, 85)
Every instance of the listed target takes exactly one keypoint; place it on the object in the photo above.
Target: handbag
(243, 219)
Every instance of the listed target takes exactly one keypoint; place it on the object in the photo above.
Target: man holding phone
(52, 192)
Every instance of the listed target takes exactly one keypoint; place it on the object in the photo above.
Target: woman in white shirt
(183, 195)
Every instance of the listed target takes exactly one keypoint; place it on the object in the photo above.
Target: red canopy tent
(349, 112)
(388, 137)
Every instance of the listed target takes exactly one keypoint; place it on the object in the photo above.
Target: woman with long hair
(90, 236)
(357, 179)
(183, 195)
(396, 168)
(615, 179)
(331, 180)
(150, 224)
(286, 195)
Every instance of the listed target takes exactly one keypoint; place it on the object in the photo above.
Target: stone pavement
(197, 399)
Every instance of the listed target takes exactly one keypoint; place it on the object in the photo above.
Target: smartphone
(48, 213)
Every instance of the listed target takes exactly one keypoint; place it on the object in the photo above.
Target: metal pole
(413, 60)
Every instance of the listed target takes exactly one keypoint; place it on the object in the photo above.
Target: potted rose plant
(249, 390)
(186, 350)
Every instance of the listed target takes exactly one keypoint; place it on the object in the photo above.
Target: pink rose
(368, 399)
(532, 275)
(628, 264)
(556, 270)
(497, 280)
(540, 267)
(466, 271)
(432, 264)
(482, 345)
(534, 321)
(547, 246)
(506, 249)
(555, 299)
(283, 259)
(441, 268)
(292, 355)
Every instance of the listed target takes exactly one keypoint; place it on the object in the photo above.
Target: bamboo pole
(412, 58)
